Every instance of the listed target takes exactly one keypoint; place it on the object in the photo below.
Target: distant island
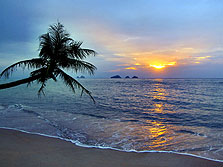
(116, 76)
(81, 77)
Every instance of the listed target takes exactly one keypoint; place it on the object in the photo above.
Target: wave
(111, 148)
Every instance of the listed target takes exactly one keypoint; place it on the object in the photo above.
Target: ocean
(172, 115)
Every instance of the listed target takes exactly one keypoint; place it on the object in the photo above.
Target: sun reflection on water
(159, 95)
(158, 132)
(151, 126)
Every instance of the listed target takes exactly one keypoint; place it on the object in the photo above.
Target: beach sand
(18, 149)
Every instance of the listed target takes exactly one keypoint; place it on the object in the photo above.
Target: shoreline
(76, 143)
(20, 148)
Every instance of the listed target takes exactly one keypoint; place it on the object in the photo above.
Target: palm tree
(57, 51)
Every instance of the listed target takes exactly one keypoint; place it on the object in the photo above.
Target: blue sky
(148, 38)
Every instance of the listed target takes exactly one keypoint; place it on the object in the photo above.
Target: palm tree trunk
(19, 82)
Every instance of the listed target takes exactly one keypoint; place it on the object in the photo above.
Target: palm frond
(42, 72)
(57, 28)
(41, 89)
(86, 52)
(45, 46)
(55, 43)
(32, 63)
(58, 34)
(79, 53)
(43, 77)
(72, 83)
(78, 66)
(38, 72)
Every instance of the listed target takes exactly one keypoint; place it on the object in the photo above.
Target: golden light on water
(156, 133)
(157, 130)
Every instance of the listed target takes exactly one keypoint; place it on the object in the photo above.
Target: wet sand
(18, 149)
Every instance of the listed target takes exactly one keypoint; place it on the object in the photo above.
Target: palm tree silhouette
(57, 51)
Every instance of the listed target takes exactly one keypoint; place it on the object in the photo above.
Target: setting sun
(157, 66)
(161, 66)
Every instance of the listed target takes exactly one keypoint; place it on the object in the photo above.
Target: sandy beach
(18, 149)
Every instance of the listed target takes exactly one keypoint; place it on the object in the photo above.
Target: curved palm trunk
(19, 82)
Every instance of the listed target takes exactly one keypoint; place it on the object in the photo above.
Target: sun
(161, 66)
(157, 66)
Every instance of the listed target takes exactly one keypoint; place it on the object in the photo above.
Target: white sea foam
(110, 148)
(15, 107)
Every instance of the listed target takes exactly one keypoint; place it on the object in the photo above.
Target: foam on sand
(23, 149)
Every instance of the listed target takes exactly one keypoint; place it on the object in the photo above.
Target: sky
(146, 38)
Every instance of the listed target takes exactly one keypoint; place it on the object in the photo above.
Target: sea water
(179, 115)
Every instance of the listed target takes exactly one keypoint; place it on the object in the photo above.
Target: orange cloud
(130, 68)
(125, 49)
